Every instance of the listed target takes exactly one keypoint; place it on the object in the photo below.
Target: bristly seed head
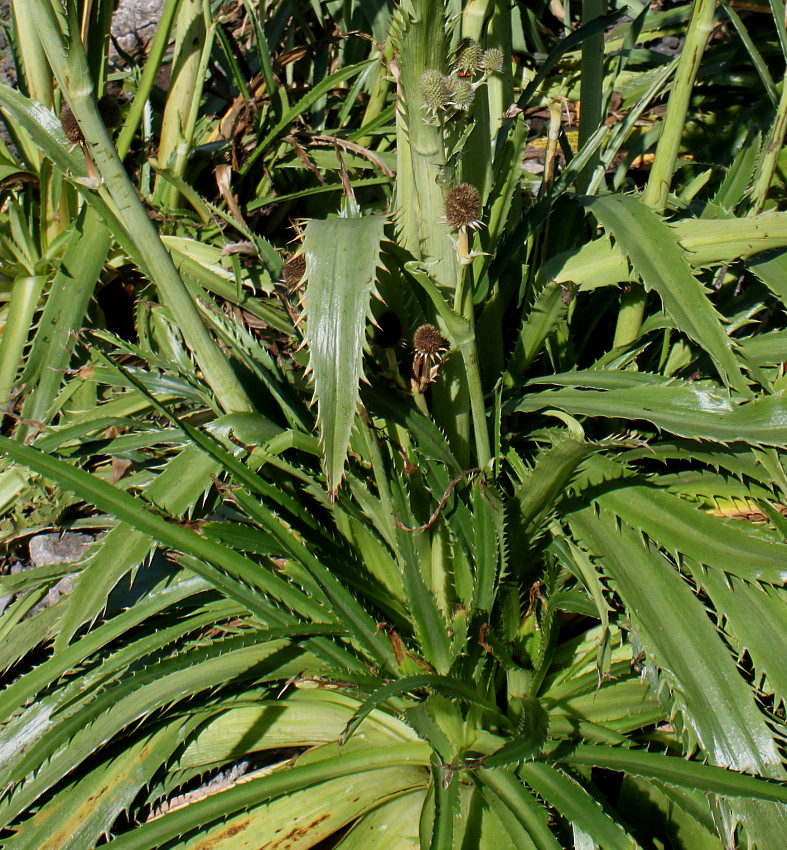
(388, 330)
(492, 60)
(463, 207)
(462, 94)
(109, 109)
(293, 270)
(469, 58)
(69, 124)
(427, 340)
(435, 90)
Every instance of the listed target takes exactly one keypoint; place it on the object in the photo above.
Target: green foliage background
(522, 586)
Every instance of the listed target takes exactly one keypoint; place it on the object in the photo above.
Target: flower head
(463, 207)
(435, 90)
(428, 341)
(293, 270)
(69, 124)
(462, 94)
(492, 61)
(468, 59)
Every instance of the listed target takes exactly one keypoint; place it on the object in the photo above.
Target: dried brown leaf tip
(463, 207)
(69, 124)
(293, 271)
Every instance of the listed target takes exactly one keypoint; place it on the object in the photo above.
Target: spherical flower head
(463, 207)
(428, 341)
(492, 61)
(435, 90)
(463, 93)
(468, 60)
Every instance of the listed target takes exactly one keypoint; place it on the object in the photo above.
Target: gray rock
(49, 549)
(135, 22)
(5, 601)
(7, 72)
(65, 585)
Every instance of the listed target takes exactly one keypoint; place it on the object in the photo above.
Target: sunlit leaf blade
(698, 412)
(678, 635)
(391, 826)
(679, 526)
(531, 735)
(549, 308)
(657, 257)
(712, 240)
(319, 815)
(678, 772)
(44, 129)
(238, 577)
(157, 600)
(175, 490)
(524, 819)
(341, 259)
(569, 798)
(79, 815)
(77, 731)
(753, 616)
(540, 488)
(259, 790)
(771, 269)
(440, 684)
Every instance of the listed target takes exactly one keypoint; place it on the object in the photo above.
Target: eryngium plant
(494, 588)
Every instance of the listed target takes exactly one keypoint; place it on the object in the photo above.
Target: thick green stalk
(69, 64)
(192, 49)
(632, 307)
(500, 86)
(771, 154)
(25, 293)
(152, 66)
(33, 61)
(591, 91)
(477, 154)
(422, 180)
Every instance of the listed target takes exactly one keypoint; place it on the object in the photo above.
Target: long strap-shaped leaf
(677, 633)
(692, 411)
(523, 817)
(258, 790)
(573, 802)
(657, 257)
(232, 574)
(677, 771)
(341, 258)
(60, 36)
(344, 604)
